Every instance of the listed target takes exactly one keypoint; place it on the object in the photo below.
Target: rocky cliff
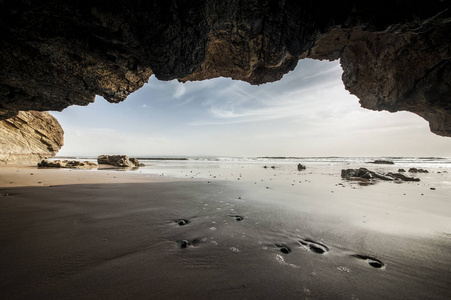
(29, 137)
(395, 54)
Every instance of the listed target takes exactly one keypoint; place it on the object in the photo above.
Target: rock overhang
(395, 54)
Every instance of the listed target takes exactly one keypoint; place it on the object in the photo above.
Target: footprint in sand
(237, 218)
(181, 222)
(185, 243)
(374, 262)
(283, 248)
(314, 246)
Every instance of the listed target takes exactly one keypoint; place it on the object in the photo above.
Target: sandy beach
(246, 233)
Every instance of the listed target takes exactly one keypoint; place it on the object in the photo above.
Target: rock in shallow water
(382, 162)
(369, 175)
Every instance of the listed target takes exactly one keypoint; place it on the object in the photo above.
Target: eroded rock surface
(72, 164)
(121, 161)
(395, 54)
(29, 137)
(363, 173)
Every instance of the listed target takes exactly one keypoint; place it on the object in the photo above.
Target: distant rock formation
(415, 170)
(395, 55)
(369, 175)
(74, 164)
(382, 162)
(29, 137)
(121, 161)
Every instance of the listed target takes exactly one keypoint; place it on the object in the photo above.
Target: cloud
(275, 104)
(185, 102)
(180, 90)
(308, 112)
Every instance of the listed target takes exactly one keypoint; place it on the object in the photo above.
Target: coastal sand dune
(115, 235)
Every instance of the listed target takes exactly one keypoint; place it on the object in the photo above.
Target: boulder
(121, 161)
(135, 162)
(103, 160)
(52, 163)
(415, 170)
(301, 167)
(75, 164)
(364, 173)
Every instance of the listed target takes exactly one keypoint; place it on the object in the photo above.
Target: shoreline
(114, 234)
(28, 175)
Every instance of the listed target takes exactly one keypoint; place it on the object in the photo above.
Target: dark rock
(401, 171)
(402, 177)
(349, 173)
(301, 167)
(394, 54)
(382, 162)
(364, 173)
(382, 176)
(415, 170)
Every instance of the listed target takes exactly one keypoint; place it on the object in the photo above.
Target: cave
(266, 228)
(395, 55)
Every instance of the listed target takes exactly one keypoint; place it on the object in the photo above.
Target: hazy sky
(307, 113)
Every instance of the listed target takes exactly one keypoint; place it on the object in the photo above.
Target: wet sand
(128, 235)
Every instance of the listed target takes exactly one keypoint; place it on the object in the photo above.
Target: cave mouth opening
(307, 113)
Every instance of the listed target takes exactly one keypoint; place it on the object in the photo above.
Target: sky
(307, 113)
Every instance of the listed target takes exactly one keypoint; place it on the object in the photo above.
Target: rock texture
(395, 54)
(415, 170)
(363, 173)
(121, 161)
(29, 137)
(73, 164)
